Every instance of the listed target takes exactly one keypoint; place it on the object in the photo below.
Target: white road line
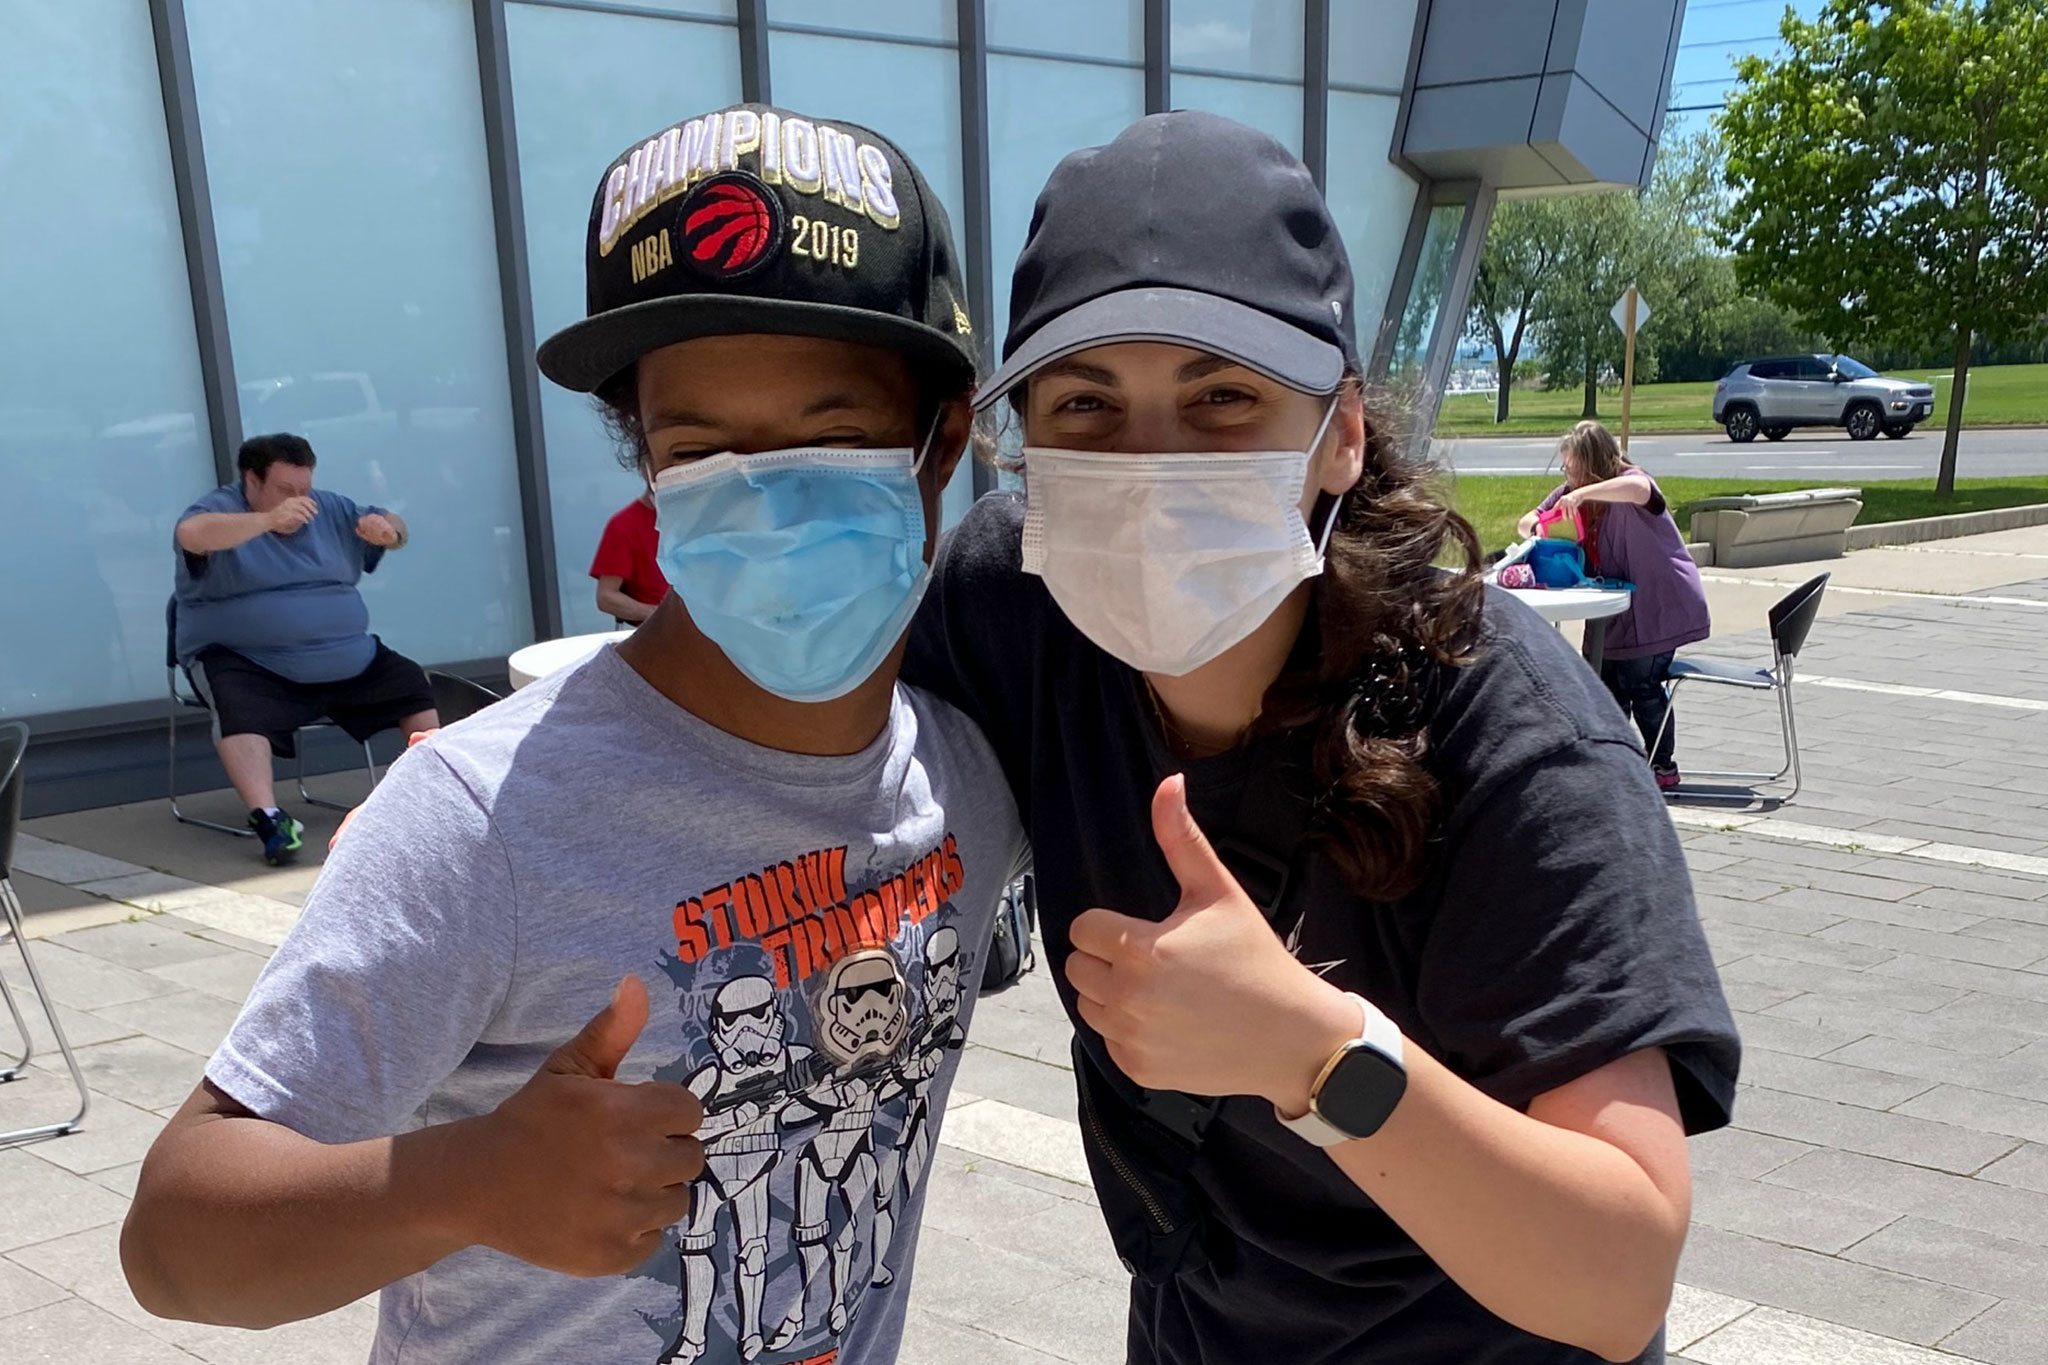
(1822, 836)
(1985, 601)
(1937, 693)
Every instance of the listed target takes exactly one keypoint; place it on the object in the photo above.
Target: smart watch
(1357, 1088)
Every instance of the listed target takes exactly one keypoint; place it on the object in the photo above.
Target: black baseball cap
(1189, 229)
(758, 219)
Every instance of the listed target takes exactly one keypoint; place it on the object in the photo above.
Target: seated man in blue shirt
(271, 629)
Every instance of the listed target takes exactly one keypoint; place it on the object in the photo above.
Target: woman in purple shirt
(1629, 534)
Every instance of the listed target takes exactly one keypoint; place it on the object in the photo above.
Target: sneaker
(281, 836)
(1667, 778)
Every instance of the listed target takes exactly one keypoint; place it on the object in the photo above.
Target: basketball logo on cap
(731, 226)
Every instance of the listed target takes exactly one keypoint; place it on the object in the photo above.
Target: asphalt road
(1813, 454)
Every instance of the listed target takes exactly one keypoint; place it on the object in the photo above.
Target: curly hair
(1398, 604)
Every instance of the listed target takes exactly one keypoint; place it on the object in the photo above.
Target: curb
(1941, 528)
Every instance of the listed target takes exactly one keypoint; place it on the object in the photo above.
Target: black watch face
(1360, 1091)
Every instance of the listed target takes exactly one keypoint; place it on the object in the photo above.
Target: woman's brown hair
(1397, 605)
(1598, 452)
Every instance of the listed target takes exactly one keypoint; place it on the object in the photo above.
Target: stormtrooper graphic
(937, 1034)
(861, 1021)
(751, 1067)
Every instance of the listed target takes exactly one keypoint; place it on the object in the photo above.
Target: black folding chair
(456, 697)
(182, 701)
(13, 744)
(1790, 620)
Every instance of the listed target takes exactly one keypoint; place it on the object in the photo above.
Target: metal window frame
(1158, 56)
(754, 71)
(978, 233)
(508, 214)
(195, 221)
(1315, 90)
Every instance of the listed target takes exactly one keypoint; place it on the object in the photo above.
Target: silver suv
(1779, 393)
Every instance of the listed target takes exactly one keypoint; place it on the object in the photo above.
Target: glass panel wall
(1371, 198)
(345, 146)
(1369, 43)
(1241, 59)
(584, 86)
(103, 431)
(1426, 295)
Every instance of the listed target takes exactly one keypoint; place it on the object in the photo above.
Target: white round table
(1591, 605)
(536, 661)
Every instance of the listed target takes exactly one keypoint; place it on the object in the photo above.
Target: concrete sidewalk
(1882, 1198)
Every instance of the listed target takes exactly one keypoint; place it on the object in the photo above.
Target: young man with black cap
(1321, 828)
(604, 1035)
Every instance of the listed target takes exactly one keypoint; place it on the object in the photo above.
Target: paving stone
(2020, 932)
(1982, 1007)
(1982, 1110)
(1069, 1235)
(1021, 1081)
(1851, 1128)
(978, 1203)
(1738, 1152)
(1997, 1266)
(1773, 913)
(1835, 1291)
(113, 1134)
(1830, 1080)
(1818, 1222)
(929, 1339)
(1807, 976)
(21, 1290)
(1734, 885)
(65, 864)
(72, 1330)
(1754, 997)
(81, 981)
(1731, 941)
(2012, 1333)
(230, 975)
(1938, 1029)
(1086, 1321)
(971, 1282)
(153, 941)
(2026, 1167)
(1779, 1034)
(1958, 946)
(191, 1020)
(1771, 1336)
(120, 1179)
(81, 1029)
(1696, 1312)
(143, 1071)
(44, 1202)
(88, 1264)
(2014, 1074)
(1977, 1205)
(1019, 1137)
(2014, 985)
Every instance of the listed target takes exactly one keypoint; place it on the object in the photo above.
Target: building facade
(353, 218)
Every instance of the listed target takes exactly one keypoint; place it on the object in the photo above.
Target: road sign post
(1630, 313)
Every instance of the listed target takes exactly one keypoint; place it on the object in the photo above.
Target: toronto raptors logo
(731, 226)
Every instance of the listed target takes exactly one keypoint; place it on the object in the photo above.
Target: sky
(1716, 34)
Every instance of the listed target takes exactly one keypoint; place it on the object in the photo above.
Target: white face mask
(1166, 561)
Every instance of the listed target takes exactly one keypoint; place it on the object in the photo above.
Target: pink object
(1518, 576)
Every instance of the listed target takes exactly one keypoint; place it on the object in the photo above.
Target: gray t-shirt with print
(810, 932)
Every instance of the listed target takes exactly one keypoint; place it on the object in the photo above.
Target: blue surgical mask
(804, 566)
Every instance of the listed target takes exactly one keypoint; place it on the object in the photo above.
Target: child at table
(1629, 534)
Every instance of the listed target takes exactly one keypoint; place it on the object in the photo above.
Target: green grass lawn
(2000, 395)
(1495, 502)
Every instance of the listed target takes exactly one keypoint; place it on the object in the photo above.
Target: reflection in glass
(899, 18)
(345, 148)
(1369, 42)
(1371, 199)
(1247, 37)
(1268, 106)
(1113, 30)
(584, 86)
(1425, 297)
(103, 438)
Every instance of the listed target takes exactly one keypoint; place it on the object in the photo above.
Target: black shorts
(248, 699)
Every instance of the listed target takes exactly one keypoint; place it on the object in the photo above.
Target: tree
(1888, 176)
(1521, 244)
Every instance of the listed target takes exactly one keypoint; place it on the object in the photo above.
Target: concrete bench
(1750, 530)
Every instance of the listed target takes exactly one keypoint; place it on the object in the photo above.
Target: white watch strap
(1380, 1034)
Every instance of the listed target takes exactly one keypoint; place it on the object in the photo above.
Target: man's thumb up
(603, 1043)
(1203, 878)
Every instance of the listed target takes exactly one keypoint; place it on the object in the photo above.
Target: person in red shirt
(630, 584)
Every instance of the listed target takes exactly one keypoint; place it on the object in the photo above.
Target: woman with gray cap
(1392, 1007)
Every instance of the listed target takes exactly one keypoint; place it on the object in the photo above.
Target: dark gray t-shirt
(288, 603)
(809, 930)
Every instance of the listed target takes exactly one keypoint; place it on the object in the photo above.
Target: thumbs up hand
(584, 1172)
(1208, 1000)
